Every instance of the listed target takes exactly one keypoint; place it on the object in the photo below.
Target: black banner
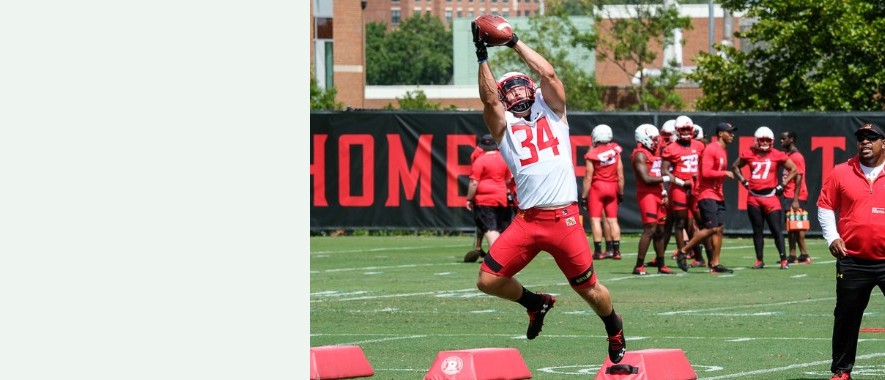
(380, 170)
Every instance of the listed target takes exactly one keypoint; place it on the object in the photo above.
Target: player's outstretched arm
(551, 86)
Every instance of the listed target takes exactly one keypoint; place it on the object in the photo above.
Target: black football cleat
(536, 317)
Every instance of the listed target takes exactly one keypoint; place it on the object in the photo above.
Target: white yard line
(755, 306)
(784, 368)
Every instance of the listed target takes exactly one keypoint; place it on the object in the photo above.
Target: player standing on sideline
(855, 190)
(711, 200)
(487, 193)
(532, 132)
(477, 251)
(788, 143)
(604, 182)
(763, 204)
(680, 160)
(649, 196)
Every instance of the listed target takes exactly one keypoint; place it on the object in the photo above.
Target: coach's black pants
(855, 280)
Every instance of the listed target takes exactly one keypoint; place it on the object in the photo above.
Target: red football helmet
(518, 103)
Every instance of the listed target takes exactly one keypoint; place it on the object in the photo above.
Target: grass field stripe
(785, 368)
(387, 267)
(381, 340)
(388, 249)
(745, 306)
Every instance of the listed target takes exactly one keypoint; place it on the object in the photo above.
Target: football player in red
(763, 204)
(604, 183)
(711, 200)
(477, 251)
(680, 161)
(487, 194)
(788, 143)
(530, 126)
(650, 196)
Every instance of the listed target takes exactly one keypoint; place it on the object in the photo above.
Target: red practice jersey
(492, 175)
(683, 160)
(763, 167)
(653, 163)
(605, 158)
(714, 165)
(790, 188)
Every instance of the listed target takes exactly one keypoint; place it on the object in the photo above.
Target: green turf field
(404, 299)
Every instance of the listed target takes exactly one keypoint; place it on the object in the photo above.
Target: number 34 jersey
(539, 154)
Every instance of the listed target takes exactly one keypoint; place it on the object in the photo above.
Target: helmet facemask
(764, 139)
(508, 85)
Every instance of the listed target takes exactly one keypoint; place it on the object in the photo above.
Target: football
(496, 28)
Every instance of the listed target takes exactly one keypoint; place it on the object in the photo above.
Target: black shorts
(712, 213)
(787, 204)
(489, 218)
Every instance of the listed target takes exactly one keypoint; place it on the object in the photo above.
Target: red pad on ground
(651, 364)
(479, 364)
(338, 362)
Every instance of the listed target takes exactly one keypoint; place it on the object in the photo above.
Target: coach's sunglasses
(868, 136)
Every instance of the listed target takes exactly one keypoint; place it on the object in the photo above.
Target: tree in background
(823, 55)
(320, 98)
(553, 36)
(419, 51)
(417, 100)
(633, 43)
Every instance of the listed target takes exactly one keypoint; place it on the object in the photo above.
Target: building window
(394, 16)
(417, 12)
(448, 16)
(506, 14)
(324, 27)
(470, 14)
(458, 14)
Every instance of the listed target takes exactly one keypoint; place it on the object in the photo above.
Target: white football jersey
(539, 154)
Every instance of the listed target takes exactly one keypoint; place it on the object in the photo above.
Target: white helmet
(668, 130)
(698, 132)
(763, 138)
(601, 134)
(684, 128)
(515, 79)
(647, 136)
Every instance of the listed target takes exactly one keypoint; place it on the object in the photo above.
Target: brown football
(496, 28)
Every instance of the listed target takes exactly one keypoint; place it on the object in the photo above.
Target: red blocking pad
(479, 364)
(651, 364)
(338, 362)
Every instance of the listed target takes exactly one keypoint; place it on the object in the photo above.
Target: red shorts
(558, 232)
(766, 204)
(603, 196)
(679, 198)
(650, 210)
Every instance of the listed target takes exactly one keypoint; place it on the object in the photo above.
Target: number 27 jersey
(538, 153)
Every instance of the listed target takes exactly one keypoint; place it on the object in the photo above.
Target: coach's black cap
(486, 142)
(871, 128)
(725, 127)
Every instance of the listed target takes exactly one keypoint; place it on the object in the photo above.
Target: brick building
(338, 39)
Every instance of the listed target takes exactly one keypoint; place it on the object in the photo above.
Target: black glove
(583, 204)
(746, 183)
(512, 41)
(620, 198)
(510, 200)
(779, 190)
(479, 42)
